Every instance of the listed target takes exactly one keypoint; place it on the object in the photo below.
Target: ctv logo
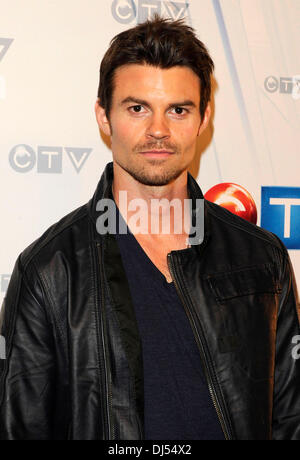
(4, 45)
(280, 213)
(126, 11)
(285, 85)
(22, 158)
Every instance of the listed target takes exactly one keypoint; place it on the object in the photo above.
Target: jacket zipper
(208, 366)
(107, 394)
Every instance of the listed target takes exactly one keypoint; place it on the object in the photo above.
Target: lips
(157, 153)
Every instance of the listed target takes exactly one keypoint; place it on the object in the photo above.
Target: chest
(158, 250)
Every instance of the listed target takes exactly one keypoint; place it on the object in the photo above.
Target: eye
(136, 109)
(179, 110)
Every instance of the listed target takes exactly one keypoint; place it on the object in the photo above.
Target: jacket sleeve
(27, 374)
(286, 402)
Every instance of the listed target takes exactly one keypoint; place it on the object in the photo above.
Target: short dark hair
(161, 43)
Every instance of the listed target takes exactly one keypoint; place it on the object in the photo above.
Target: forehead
(145, 81)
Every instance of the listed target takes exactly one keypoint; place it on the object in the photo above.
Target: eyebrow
(138, 101)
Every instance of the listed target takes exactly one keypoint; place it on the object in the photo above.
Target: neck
(153, 205)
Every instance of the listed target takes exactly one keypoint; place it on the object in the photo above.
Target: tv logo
(22, 158)
(285, 85)
(125, 11)
(280, 213)
(4, 281)
(4, 45)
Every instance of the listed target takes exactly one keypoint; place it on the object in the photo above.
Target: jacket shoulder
(56, 234)
(240, 225)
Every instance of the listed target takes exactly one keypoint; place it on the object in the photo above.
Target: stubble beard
(156, 172)
(153, 178)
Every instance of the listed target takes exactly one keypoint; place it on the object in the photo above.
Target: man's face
(154, 121)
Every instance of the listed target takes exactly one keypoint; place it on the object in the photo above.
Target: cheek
(186, 135)
(125, 133)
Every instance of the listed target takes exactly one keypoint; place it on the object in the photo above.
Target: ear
(101, 118)
(205, 120)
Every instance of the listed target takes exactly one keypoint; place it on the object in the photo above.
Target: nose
(158, 127)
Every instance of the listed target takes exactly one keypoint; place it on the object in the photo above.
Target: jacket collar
(104, 190)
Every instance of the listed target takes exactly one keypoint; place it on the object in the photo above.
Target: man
(151, 334)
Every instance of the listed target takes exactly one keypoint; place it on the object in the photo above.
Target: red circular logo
(235, 198)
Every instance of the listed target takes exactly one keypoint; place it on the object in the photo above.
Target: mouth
(157, 153)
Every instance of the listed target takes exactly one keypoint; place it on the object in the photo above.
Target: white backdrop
(51, 153)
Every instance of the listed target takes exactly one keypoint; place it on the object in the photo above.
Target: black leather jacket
(74, 359)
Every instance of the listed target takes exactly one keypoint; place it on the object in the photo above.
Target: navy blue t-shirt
(178, 405)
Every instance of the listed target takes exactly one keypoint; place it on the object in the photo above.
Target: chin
(153, 173)
(155, 179)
